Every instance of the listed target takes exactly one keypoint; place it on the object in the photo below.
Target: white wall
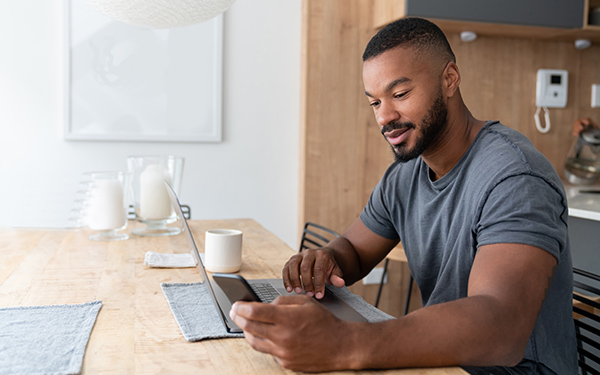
(252, 173)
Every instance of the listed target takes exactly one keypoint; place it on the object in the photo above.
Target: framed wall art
(131, 83)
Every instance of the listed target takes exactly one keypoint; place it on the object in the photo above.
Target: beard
(432, 127)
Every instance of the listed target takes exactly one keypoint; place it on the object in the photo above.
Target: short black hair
(412, 32)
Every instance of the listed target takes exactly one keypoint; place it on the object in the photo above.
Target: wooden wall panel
(384, 10)
(499, 78)
(343, 155)
(335, 111)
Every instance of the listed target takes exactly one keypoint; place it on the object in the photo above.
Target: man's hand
(343, 261)
(312, 269)
(299, 333)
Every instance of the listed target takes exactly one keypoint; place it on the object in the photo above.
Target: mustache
(396, 125)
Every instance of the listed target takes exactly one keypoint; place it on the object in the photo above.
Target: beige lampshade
(160, 13)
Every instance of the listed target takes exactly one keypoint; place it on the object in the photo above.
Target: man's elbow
(514, 340)
(503, 349)
(513, 350)
(511, 356)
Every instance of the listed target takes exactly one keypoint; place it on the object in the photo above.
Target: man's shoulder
(495, 137)
(506, 148)
(502, 153)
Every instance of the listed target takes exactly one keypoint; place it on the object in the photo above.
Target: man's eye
(400, 95)
(374, 104)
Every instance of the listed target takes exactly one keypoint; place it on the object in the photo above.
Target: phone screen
(235, 287)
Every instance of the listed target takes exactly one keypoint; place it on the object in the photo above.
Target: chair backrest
(586, 312)
(315, 236)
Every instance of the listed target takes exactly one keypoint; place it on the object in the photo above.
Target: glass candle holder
(107, 205)
(151, 202)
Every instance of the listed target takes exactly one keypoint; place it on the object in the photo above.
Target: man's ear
(450, 79)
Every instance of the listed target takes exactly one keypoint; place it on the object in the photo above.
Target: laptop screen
(200, 266)
(188, 236)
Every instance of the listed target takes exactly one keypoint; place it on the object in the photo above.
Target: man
(482, 217)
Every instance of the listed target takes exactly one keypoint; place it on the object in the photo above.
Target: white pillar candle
(107, 210)
(154, 200)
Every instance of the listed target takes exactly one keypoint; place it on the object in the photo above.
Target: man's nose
(386, 113)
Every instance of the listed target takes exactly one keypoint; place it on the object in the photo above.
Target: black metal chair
(408, 290)
(187, 212)
(391, 256)
(586, 313)
(315, 236)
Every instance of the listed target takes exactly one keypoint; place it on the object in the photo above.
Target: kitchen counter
(583, 201)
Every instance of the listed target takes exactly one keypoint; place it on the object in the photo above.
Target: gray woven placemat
(45, 339)
(199, 319)
(195, 312)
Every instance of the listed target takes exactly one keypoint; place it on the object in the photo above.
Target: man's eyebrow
(392, 84)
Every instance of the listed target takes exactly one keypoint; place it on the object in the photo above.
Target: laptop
(224, 300)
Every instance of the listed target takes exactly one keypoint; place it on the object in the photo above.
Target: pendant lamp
(161, 14)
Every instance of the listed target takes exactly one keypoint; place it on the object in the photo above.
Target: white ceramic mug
(223, 250)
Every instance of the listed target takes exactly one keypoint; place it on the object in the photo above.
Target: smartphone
(235, 287)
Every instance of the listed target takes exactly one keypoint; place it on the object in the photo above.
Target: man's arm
(343, 261)
(490, 327)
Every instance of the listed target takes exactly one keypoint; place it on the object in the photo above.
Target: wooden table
(135, 331)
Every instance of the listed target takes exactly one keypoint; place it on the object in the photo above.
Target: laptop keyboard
(265, 291)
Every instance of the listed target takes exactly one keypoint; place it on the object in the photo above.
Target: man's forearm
(470, 331)
(358, 250)
(347, 259)
(490, 327)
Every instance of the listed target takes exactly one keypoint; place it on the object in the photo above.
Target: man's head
(416, 33)
(409, 73)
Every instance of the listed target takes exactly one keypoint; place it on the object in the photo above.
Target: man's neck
(460, 133)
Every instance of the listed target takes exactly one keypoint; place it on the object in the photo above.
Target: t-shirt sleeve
(524, 209)
(376, 215)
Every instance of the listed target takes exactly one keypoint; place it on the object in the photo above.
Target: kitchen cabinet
(584, 226)
(583, 238)
(556, 20)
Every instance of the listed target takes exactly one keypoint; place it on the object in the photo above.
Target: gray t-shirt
(501, 191)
